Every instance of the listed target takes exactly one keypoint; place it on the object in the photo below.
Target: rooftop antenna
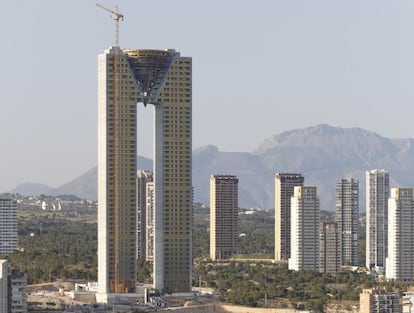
(117, 17)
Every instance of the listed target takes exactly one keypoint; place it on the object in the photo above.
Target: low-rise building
(13, 289)
(18, 289)
(378, 300)
(407, 301)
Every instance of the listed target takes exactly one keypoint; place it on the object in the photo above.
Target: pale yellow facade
(117, 98)
(161, 78)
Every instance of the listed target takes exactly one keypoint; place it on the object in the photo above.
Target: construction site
(60, 297)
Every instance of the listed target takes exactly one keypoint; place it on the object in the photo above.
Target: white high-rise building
(143, 177)
(346, 216)
(150, 225)
(377, 194)
(305, 218)
(284, 184)
(162, 78)
(400, 260)
(8, 224)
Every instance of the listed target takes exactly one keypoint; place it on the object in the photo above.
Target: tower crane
(118, 283)
(117, 17)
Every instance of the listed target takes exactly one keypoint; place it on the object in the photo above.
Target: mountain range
(322, 153)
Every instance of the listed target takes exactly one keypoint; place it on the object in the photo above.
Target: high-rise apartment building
(400, 259)
(346, 216)
(8, 224)
(150, 225)
(224, 209)
(284, 184)
(378, 300)
(161, 78)
(305, 219)
(330, 259)
(143, 177)
(377, 194)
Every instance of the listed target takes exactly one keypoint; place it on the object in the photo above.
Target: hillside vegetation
(62, 245)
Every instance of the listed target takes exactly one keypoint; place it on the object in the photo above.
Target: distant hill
(253, 175)
(32, 189)
(323, 154)
(84, 186)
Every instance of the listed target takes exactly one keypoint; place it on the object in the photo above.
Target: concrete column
(159, 197)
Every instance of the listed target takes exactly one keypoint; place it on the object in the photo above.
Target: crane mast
(118, 283)
(117, 18)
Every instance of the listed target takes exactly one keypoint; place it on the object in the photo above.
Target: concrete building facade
(407, 301)
(13, 289)
(4, 293)
(8, 224)
(18, 289)
(378, 300)
(305, 220)
(224, 210)
(330, 259)
(150, 225)
(143, 177)
(400, 259)
(377, 194)
(346, 216)
(284, 185)
(161, 78)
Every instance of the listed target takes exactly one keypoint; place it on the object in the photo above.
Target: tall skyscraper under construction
(161, 78)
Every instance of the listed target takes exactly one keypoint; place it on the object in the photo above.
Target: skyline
(310, 63)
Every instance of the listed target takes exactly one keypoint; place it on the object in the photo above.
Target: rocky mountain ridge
(322, 153)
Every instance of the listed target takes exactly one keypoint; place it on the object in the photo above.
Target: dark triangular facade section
(150, 68)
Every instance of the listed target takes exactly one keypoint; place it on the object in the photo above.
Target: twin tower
(161, 78)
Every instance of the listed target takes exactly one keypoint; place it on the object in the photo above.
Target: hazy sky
(259, 68)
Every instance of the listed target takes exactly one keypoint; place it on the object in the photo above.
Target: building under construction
(161, 80)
